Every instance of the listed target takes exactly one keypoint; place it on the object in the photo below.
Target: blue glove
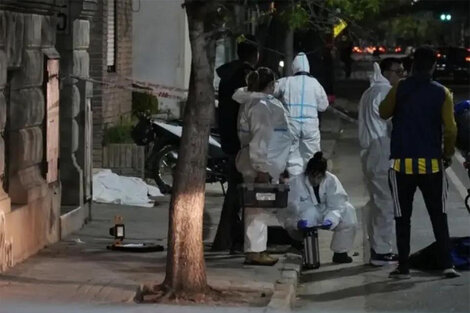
(302, 224)
(326, 224)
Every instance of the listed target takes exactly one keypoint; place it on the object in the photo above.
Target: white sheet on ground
(109, 187)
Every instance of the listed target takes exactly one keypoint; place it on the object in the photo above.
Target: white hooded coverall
(265, 139)
(374, 137)
(303, 97)
(334, 206)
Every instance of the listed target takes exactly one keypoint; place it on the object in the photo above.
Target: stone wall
(30, 189)
(29, 205)
(110, 105)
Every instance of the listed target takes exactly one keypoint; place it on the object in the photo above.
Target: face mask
(316, 179)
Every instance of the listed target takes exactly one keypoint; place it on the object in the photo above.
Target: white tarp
(109, 187)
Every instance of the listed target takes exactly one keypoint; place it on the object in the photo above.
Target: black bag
(263, 195)
(428, 258)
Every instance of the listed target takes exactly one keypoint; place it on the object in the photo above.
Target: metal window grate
(111, 23)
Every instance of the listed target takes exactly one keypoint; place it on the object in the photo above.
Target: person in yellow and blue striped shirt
(422, 145)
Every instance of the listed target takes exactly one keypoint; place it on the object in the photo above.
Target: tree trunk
(288, 51)
(185, 270)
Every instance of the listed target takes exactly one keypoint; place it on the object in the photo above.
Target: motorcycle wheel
(164, 166)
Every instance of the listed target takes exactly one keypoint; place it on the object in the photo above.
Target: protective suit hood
(300, 63)
(377, 78)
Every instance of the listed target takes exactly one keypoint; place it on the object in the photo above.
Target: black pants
(434, 190)
(230, 230)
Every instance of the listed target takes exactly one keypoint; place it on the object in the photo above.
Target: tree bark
(288, 51)
(185, 270)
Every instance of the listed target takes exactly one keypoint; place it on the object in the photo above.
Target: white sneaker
(451, 273)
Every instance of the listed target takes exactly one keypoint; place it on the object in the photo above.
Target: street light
(445, 17)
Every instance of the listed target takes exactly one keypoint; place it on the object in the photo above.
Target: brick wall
(110, 104)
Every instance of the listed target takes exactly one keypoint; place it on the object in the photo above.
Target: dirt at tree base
(236, 297)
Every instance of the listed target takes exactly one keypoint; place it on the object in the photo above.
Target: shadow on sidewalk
(365, 290)
(316, 275)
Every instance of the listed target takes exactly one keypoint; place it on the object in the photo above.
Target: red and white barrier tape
(157, 90)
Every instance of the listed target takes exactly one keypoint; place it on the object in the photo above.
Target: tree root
(163, 294)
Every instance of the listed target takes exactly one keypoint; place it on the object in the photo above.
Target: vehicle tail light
(357, 49)
(381, 49)
(398, 49)
(439, 55)
(467, 59)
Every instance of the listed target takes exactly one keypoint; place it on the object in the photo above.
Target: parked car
(453, 63)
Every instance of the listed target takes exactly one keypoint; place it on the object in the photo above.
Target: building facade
(111, 62)
(43, 119)
(162, 52)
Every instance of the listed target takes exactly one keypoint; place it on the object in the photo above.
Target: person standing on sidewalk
(303, 97)
(374, 137)
(422, 115)
(233, 76)
(266, 138)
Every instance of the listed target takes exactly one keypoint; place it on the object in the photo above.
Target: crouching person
(265, 139)
(318, 197)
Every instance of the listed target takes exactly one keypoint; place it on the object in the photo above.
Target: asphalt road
(358, 287)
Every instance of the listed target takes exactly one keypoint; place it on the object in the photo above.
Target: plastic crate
(264, 195)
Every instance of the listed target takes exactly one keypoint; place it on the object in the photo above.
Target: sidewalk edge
(284, 295)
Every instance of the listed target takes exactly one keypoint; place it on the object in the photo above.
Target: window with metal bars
(111, 39)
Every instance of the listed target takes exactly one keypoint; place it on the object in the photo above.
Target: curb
(284, 295)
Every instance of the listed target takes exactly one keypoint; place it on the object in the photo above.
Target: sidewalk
(81, 270)
(358, 287)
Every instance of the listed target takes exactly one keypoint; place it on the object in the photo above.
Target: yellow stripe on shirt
(421, 166)
(396, 165)
(435, 165)
(422, 169)
(408, 166)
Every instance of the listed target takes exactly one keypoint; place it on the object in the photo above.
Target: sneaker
(260, 258)
(341, 258)
(450, 273)
(377, 259)
(400, 274)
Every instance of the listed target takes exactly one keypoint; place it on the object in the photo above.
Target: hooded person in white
(303, 97)
(319, 198)
(265, 139)
(374, 138)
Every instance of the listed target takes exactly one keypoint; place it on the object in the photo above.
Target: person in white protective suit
(374, 137)
(303, 97)
(265, 139)
(319, 198)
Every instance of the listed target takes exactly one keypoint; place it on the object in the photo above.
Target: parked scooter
(163, 139)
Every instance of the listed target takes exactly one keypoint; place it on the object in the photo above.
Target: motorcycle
(162, 139)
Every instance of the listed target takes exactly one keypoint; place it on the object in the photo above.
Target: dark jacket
(420, 108)
(232, 76)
